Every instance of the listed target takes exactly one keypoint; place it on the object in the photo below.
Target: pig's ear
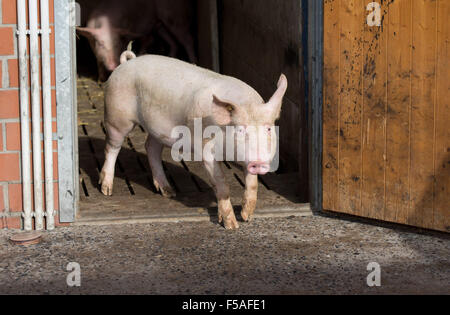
(222, 111)
(89, 32)
(274, 105)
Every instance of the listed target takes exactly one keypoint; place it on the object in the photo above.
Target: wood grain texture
(350, 109)
(374, 117)
(331, 104)
(398, 111)
(442, 148)
(388, 132)
(423, 101)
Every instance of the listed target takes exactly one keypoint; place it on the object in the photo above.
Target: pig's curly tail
(128, 54)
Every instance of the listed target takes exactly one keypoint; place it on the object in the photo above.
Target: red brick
(7, 40)
(12, 171)
(13, 70)
(2, 200)
(9, 104)
(55, 165)
(1, 74)
(56, 196)
(60, 224)
(13, 136)
(15, 197)
(14, 223)
(13, 142)
(9, 11)
(1, 137)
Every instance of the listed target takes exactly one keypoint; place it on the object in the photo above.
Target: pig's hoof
(229, 223)
(246, 216)
(168, 192)
(106, 185)
(248, 208)
(107, 190)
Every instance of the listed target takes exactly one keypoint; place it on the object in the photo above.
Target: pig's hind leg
(114, 140)
(154, 150)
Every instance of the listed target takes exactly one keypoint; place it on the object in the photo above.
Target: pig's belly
(160, 127)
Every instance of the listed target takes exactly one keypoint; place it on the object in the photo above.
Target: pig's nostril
(253, 168)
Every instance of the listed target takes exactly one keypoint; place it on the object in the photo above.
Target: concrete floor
(306, 255)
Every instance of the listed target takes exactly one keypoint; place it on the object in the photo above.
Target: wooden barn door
(386, 113)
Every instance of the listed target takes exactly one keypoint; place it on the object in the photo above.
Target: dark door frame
(66, 100)
(314, 23)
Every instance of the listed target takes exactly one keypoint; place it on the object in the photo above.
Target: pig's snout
(258, 168)
(111, 66)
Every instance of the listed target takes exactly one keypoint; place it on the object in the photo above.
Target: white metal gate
(33, 32)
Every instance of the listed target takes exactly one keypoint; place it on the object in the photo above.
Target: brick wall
(259, 40)
(10, 142)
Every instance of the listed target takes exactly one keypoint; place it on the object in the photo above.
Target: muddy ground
(306, 255)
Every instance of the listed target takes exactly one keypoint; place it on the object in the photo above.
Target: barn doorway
(229, 38)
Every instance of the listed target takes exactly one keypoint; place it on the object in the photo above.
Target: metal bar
(47, 111)
(36, 116)
(24, 115)
(66, 109)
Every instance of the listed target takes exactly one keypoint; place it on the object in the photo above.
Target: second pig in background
(109, 25)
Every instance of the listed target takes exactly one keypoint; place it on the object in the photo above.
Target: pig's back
(156, 91)
(160, 78)
(161, 70)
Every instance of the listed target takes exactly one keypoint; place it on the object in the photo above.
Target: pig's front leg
(250, 196)
(226, 212)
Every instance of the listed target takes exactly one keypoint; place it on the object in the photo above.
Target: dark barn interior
(237, 38)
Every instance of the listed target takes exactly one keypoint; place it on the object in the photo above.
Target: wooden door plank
(398, 111)
(331, 87)
(442, 155)
(374, 116)
(351, 14)
(423, 90)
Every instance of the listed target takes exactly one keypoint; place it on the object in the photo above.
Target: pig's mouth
(258, 168)
(111, 66)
